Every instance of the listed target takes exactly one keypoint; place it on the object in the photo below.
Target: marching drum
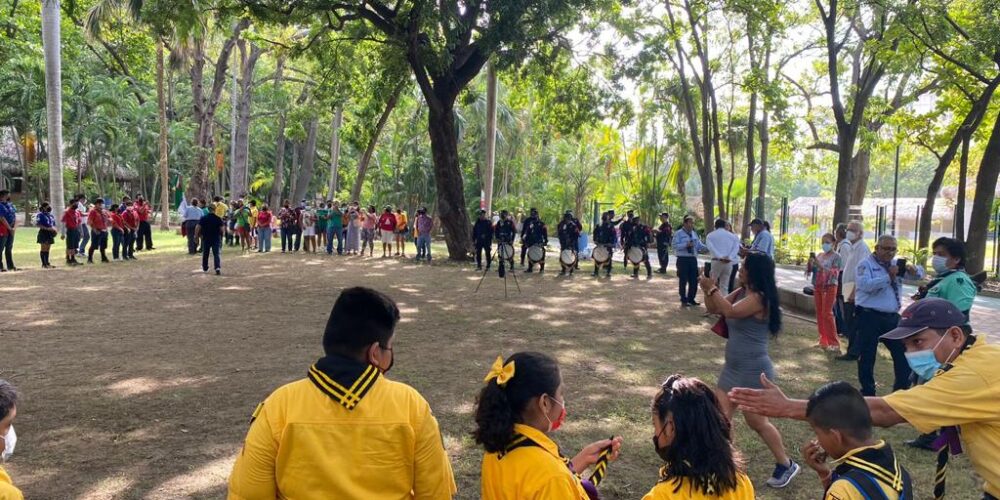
(634, 255)
(536, 253)
(601, 254)
(567, 257)
(506, 251)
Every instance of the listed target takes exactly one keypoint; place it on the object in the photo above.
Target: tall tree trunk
(205, 107)
(305, 176)
(366, 157)
(969, 125)
(765, 134)
(161, 108)
(293, 170)
(963, 172)
(751, 166)
(244, 102)
(448, 176)
(861, 166)
(982, 203)
(491, 137)
(338, 119)
(277, 186)
(51, 38)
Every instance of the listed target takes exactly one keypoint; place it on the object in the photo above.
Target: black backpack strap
(865, 483)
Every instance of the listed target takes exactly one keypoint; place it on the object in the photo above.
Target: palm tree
(51, 18)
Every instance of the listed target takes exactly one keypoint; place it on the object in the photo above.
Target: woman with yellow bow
(521, 404)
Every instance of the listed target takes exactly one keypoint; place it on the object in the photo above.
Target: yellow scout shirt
(343, 433)
(7, 489)
(531, 469)
(887, 477)
(682, 489)
(967, 396)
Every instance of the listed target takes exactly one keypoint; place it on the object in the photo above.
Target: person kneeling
(346, 431)
(695, 440)
(864, 467)
(520, 406)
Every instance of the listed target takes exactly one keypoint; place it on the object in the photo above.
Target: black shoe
(90, 261)
(661, 271)
(846, 357)
(595, 274)
(562, 273)
(529, 270)
(104, 259)
(684, 303)
(694, 303)
(218, 272)
(923, 441)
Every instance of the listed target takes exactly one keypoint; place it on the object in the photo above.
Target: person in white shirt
(724, 247)
(853, 250)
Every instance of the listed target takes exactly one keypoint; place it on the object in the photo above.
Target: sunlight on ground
(144, 385)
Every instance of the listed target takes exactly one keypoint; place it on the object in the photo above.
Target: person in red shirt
(71, 221)
(117, 232)
(130, 219)
(144, 233)
(387, 226)
(98, 221)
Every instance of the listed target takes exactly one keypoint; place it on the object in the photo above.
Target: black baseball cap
(924, 314)
(756, 221)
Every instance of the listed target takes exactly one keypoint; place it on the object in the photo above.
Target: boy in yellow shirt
(864, 469)
(346, 431)
(8, 410)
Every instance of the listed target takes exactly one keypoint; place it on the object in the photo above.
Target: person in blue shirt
(877, 304)
(47, 231)
(7, 222)
(763, 241)
(687, 245)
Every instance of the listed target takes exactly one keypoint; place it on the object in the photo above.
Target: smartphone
(812, 255)
(901, 265)
(708, 269)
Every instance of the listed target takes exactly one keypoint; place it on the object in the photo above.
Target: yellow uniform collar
(877, 446)
(523, 433)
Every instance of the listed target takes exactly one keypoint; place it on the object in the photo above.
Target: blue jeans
(6, 250)
(330, 233)
(287, 239)
(263, 239)
(116, 242)
(84, 239)
(216, 248)
(424, 247)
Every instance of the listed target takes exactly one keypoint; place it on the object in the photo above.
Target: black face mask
(664, 451)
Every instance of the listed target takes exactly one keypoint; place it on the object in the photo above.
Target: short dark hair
(4, 192)
(8, 398)
(360, 317)
(954, 247)
(838, 405)
(720, 223)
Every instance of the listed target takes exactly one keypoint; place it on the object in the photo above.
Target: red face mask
(553, 426)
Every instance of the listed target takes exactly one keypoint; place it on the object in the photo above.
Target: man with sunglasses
(877, 304)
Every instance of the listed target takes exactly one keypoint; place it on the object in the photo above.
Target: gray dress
(746, 354)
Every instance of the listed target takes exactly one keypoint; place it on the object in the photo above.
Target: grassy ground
(138, 378)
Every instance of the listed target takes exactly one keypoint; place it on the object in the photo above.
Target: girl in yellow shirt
(521, 404)
(402, 230)
(694, 438)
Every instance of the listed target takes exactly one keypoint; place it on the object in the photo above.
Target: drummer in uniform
(538, 235)
(639, 237)
(527, 226)
(504, 233)
(626, 228)
(604, 236)
(569, 235)
(664, 235)
(482, 234)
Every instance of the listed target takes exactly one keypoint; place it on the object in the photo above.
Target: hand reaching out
(589, 454)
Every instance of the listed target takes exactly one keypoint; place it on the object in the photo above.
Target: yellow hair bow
(500, 371)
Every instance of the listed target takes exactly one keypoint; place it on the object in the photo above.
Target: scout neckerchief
(871, 466)
(344, 380)
(590, 485)
(948, 440)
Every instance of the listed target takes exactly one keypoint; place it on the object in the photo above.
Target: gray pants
(720, 273)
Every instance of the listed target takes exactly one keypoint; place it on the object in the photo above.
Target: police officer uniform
(538, 234)
(664, 236)
(527, 226)
(482, 234)
(504, 233)
(569, 234)
(640, 237)
(604, 235)
(627, 227)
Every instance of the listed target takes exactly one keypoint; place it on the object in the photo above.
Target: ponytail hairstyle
(498, 408)
(702, 450)
(760, 279)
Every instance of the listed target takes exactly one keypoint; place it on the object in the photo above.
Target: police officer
(504, 233)
(626, 227)
(604, 235)
(569, 234)
(482, 234)
(640, 236)
(527, 227)
(664, 235)
(538, 234)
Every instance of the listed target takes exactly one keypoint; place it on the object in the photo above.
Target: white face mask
(9, 440)
(852, 236)
(940, 264)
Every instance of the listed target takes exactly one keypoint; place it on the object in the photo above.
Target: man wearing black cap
(504, 232)
(762, 239)
(664, 235)
(960, 396)
(568, 231)
(626, 228)
(527, 230)
(482, 234)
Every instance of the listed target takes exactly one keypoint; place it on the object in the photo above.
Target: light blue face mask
(924, 363)
(827, 247)
(940, 264)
